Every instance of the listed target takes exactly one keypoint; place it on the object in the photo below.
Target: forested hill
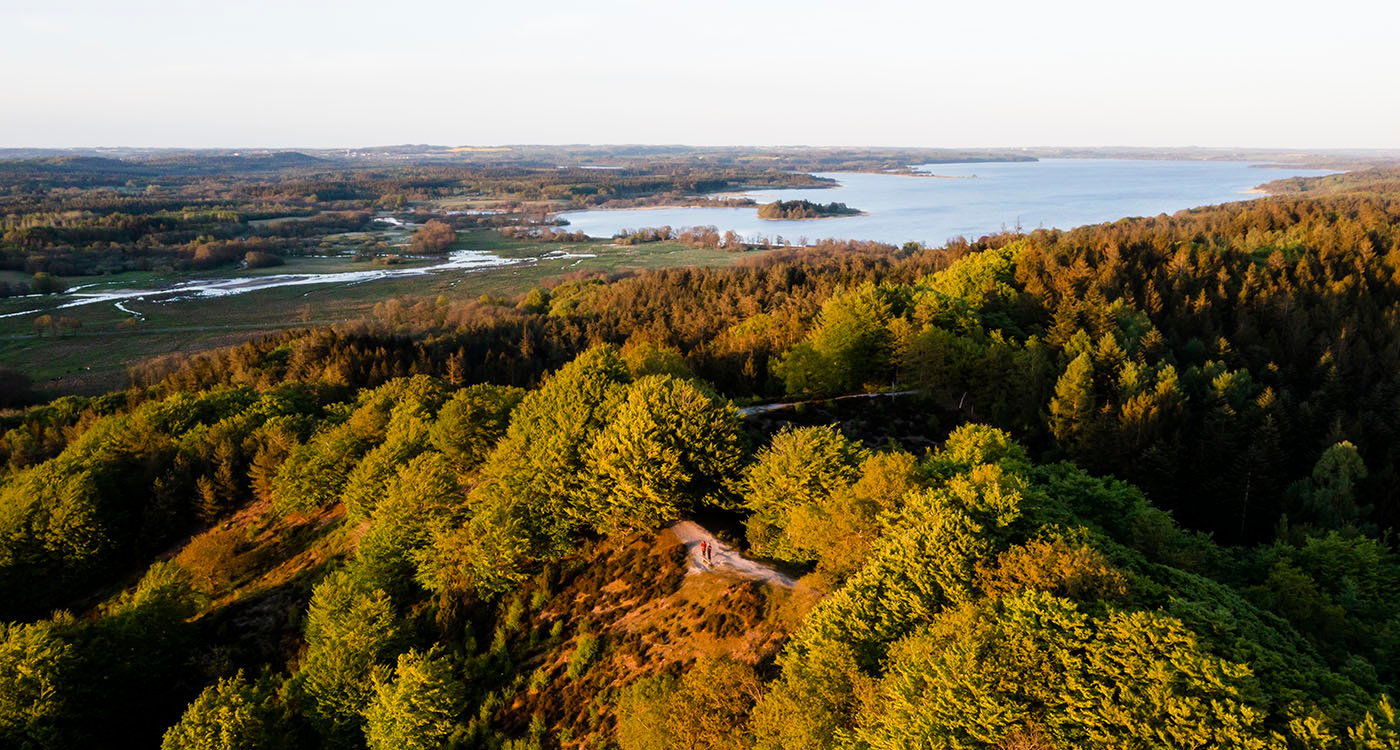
(1211, 357)
(1141, 496)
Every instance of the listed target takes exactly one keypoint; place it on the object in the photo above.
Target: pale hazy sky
(1276, 74)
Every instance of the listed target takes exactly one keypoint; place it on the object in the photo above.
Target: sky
(972, 73)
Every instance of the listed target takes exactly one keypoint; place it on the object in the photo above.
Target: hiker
(704, 552)
(709, 554)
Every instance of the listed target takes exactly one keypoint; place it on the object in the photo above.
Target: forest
(803, 209)
(1127, 485)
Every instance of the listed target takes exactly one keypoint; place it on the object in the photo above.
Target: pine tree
(208, 503)
(1073, 410)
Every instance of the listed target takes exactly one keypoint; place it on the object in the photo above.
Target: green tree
(850, 346)
(1379, 730)
(53, 533)
(315, 474)
(1331, 500)
(472, 422)
(814, 703)
(1074, 409)
(275, 441)
(232, 714)
(980, 676)
(839, 530)
(37, 674)
(423, 497)
(350, 628)
(644, 357)
(417, 706)
(46, 283)
(643, 710)
(978, 291)
(535, 301)
(484, 557)
(140, 643)
(707, 707)
(366, 483)
(537, 472)
(671, 444)
(799, 468)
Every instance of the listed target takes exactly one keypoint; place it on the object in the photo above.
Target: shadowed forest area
(1137, 489)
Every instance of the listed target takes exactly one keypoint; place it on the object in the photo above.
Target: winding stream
(461, 260)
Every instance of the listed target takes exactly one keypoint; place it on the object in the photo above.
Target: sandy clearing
(724, 557)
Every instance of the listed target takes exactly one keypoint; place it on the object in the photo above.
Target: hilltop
(1129, 483)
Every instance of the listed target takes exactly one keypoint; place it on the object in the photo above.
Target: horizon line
(484, 147)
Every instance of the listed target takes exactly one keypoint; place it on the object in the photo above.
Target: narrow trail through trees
(723, 557)
(749, 411)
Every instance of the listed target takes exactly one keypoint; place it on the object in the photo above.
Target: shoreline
(668, 207)
(819, 218)
(914, 173)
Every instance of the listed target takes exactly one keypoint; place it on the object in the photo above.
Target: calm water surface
(972, 199)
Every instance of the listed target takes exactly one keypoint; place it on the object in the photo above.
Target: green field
(95, 357)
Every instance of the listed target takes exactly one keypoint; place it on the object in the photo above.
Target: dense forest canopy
(1130, 484)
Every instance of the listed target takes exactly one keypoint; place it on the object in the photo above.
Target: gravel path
(749, 411)
(723, 556)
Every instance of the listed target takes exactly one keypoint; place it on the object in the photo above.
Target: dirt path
(724, 557)
(749, 411)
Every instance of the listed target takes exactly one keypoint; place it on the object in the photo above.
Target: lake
(971, 200)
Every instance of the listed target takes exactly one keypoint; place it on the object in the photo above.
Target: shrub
(259, 259)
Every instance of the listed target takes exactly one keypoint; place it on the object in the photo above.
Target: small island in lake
(804, 210)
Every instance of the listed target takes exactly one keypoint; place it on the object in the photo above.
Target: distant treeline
(1379, 181)
(542, 234)
(76, 216)
(705, 236)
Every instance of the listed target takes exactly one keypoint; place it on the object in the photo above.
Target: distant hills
(796, 158)
(155, 162)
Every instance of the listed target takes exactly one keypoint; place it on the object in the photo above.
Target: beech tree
(416, 706)
(421, 499)
(1135, 678)
(799, 468)
(37, 673)
(850, 346)
(472, 422)
(670, 446)
(706, 707)
(538, 470)
(232, 714)
(350, 628)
